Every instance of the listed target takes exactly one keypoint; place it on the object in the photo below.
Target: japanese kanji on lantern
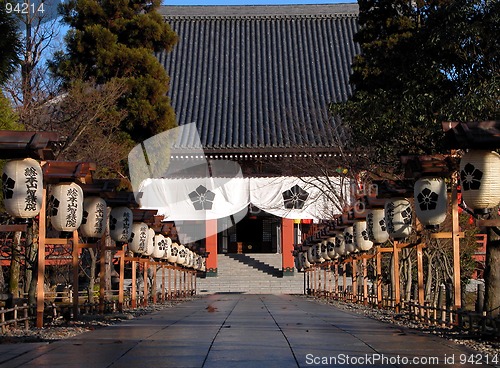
(139, 238)
(22, 188)
(120, 224)
(430, 201)
(398, 217)
(375, 225)
(479, 179)
(361, 240)
(65, 206)
(95, 212)
(150, 243)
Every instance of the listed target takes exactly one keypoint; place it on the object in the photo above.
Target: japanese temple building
(256, 83)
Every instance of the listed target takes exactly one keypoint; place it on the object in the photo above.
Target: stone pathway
(240, 330)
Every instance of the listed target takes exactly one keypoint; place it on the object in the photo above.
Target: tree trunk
(31, 262)
(92, 274)
(492, 273)
(15, 265)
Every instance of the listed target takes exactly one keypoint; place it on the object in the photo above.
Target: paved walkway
(234, 330)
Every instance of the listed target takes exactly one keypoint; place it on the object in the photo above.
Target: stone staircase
(252, 273)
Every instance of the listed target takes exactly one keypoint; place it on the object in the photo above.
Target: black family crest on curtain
(202, 198)
(294, 198)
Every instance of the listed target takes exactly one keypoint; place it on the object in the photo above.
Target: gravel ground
(481, 345)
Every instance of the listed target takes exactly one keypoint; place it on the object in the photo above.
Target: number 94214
(24, 8)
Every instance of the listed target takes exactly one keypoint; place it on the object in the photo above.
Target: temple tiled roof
(255, 77)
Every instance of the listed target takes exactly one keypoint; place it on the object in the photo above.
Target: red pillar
(287, 241)
(211, 247)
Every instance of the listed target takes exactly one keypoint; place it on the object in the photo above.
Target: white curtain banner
(214, 198)
(300, 198)
(195, 198)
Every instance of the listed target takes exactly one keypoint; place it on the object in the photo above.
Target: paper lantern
(317, 253)
(305, 262)
(95, 214)
(66, 206)
(330, 248)
(375, 225)
(324, 250)
(340, 244)
(311, 256)
(349, 239)
(22, 188)
(139, 238)
(158, 246)
(168, 248)
(173, 253)
(361, 240)
(181, 255)
(297, 261)
(398, 217)
(479, 179)
(150, 244)
(120, 224)
(430, 201)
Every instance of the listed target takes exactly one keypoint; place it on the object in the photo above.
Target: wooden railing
(14, 316)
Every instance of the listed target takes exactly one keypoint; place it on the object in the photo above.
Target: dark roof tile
(260, 76)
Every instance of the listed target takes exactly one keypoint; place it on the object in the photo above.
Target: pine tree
(9, 43)
(116, 39)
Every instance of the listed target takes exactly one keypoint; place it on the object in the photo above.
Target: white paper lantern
(324, 251)
(174, 252)
(349, 239)
(375, 225)
(317, 253)
(330, 248)
(361, 240)
(480, 179)
(430, 201)
(340, 244)
(297, 261)
(311, 256)
(66, 206)
(120, 223)
(181, 256)
(398, 217)
(150, 244)
(139, 238)
(95, 214)
(168, 248)
(305, 262)
(22, 188)
(158, 246)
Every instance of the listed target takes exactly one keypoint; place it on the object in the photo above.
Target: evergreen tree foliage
(421, 63)
(9, 43)
(116, 39)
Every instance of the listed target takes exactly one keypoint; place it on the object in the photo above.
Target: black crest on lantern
(53, 205)
(427, 200)
(294, 198)
(8, 186)
(471, 177)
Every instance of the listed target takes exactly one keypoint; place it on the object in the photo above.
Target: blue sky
(253, 2)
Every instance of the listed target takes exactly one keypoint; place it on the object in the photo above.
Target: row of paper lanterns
(68, 210)
(480, 188)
